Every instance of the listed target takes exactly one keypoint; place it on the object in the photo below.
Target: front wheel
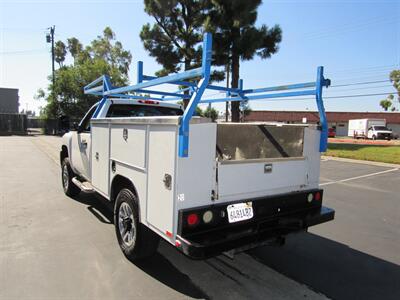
(70, 189)
(374, 137)
(135, 239)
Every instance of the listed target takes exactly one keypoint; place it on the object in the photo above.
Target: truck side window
(85, 124)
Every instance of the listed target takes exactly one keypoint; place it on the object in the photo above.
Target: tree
(175, 38)
(59, 53)
(395, 79)
(209, 112)
(74, 47)
(387, 103)
(245, 109)
(103, 55)
(237, 38)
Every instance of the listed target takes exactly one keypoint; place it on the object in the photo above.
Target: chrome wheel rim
(126, 224)
(65, 177)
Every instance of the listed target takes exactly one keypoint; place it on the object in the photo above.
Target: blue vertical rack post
(102, 87)
(195, 98)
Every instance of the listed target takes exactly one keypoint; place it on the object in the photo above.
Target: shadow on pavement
(101, 208)
(332, 268)
(326, 266)
(164, 271)
(158, 266)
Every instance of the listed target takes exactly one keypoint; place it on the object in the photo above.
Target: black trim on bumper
(279, 227)
(274, 216)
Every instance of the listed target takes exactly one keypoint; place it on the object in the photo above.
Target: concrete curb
(364, 162)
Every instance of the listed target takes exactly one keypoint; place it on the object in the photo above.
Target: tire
(136, 241)
(373, 137)
(70, 189)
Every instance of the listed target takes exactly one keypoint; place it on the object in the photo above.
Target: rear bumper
(256, 232)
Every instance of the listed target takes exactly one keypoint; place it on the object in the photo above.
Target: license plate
(240, 212)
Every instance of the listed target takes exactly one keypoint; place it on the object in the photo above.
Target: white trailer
(204, 187)
(369, 129)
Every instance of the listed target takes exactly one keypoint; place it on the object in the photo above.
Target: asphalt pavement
(55, 247)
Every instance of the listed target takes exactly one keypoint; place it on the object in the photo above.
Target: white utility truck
(204, 187)
(369, 129)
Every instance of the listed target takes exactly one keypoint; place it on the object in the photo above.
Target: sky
(355, 41)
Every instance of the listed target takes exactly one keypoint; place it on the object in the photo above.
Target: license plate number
(240, 212)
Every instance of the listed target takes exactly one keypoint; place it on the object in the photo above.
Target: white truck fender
(67, 143)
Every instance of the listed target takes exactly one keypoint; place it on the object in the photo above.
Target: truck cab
(78, 142)
(380, 132)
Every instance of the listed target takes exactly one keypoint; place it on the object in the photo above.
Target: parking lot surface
(55, 247)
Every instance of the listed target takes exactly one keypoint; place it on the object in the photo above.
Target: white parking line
(358, 177)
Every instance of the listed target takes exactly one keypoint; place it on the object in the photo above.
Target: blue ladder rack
(102, 87)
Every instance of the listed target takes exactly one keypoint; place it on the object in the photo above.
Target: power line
(360, 95)
(359, 78)
(367, 87)
(366, 68)
(23, 51)
(353, 26)
(360, 83)
(363, 73)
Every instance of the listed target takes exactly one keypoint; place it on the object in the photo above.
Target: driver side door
(81, 146)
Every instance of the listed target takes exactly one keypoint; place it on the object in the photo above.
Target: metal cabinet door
(161, 177)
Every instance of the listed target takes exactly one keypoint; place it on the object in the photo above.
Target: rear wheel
(70, 189)
(135, 239)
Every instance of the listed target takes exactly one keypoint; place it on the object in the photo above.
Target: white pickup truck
(370, 129)
(242, 184)
(204, 187)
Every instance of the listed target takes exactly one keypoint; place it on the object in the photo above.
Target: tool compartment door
(242, 180)
(161, 176)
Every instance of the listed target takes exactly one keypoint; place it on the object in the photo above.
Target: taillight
(192, 219)
(148, 102)
(317, 196)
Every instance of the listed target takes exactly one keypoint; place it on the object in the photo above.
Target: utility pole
(50, 39)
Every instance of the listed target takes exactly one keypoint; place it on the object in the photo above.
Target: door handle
(84, 142)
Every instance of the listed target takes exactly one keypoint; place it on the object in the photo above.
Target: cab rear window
(134, 110)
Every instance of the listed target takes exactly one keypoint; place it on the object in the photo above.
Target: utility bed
(228, 163)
